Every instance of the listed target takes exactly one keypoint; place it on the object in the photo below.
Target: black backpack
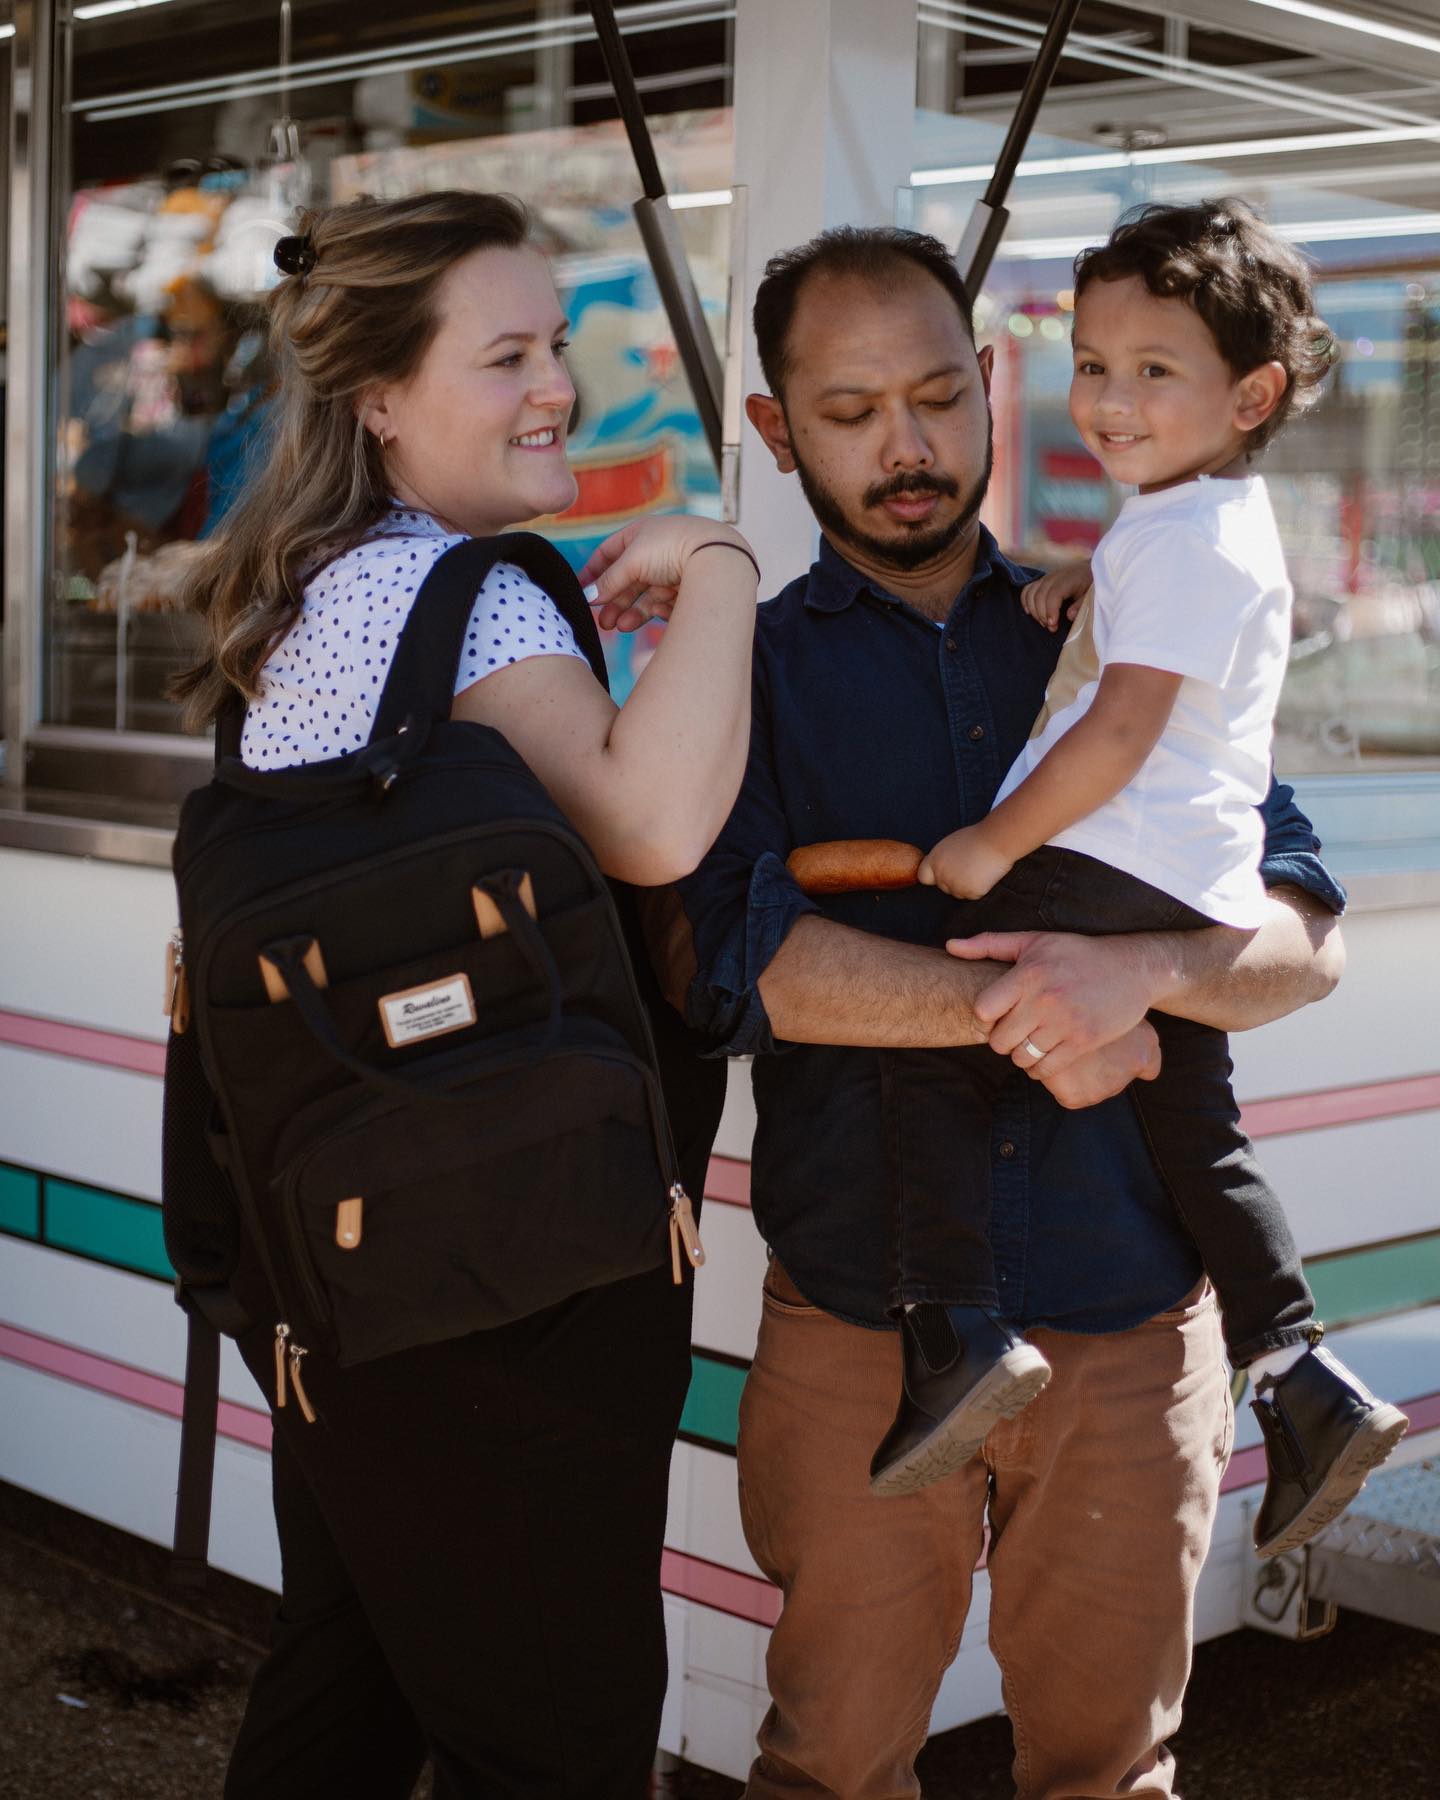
(412, 1088)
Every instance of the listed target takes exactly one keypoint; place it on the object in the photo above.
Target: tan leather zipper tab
(677, 1268)
(302, 1398)
(177, 990)
(682, 1216)
(349, 1222)
(282, 1332)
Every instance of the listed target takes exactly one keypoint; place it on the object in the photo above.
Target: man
(894, 684)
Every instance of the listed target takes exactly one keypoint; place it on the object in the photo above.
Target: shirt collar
(835, 584)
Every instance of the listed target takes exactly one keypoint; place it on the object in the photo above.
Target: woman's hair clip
(295, 255)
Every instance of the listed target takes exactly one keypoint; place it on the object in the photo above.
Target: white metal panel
(109, 1312)
(704, 1517)
(1356, 1184)
(84, 941)
(80, 1120)
(727, 1289)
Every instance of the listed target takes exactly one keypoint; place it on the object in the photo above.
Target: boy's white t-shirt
(321, 684)
(1190, 580)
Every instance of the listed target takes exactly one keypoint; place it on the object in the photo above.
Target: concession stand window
(160, 146)
(182, 139)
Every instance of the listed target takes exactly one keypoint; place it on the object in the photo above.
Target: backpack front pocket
(516, 1183)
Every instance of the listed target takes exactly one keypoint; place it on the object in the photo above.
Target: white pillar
(824, 128)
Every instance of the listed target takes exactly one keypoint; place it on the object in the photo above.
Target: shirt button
(950, 644)
(1007, 1149)
(976, 733)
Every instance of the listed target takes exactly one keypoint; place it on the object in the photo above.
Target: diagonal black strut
(987, 222)
(661, 237)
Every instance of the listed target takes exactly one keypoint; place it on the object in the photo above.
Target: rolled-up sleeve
(1291, 857)
(741, 903)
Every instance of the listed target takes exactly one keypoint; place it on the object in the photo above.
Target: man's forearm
(1236, 980)
(831, 984)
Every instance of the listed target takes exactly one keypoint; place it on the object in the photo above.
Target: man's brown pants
(1101, 1496)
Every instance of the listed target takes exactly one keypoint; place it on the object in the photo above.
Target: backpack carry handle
(290, 956)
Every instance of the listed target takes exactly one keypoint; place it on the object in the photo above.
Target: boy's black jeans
(939, 1103)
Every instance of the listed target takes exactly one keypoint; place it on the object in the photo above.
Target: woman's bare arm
(648, 785)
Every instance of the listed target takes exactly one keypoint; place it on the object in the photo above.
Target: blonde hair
(362, 313)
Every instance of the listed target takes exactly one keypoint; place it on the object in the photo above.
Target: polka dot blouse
(320, 686)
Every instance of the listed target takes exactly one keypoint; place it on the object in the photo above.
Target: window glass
(191, 141)
(1329, 144)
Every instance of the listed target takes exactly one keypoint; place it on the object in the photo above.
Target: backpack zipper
(288, 1351)
(177, 988)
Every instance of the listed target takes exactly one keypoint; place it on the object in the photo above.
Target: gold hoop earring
(384, 441)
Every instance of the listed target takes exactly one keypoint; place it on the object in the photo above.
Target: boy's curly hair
(1248, 284)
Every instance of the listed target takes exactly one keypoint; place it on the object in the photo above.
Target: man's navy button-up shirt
(871, 721)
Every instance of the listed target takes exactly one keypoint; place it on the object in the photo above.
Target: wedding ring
(1034, 1050)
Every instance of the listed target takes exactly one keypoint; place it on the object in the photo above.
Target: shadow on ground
(113, 1686)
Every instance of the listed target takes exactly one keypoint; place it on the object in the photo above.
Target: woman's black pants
(471, 1537)
(939, 1105)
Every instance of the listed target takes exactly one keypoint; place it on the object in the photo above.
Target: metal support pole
(34, 272)
(987, 222)
(660, 235)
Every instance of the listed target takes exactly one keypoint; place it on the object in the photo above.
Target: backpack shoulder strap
(548, 569)
(421, 682)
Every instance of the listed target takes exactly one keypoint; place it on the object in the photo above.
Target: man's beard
(921, 542)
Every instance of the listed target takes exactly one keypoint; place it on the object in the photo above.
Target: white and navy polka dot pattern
(321, 684)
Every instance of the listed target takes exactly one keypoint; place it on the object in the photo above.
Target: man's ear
(986, 359)
(1258, 394)
(767, 415)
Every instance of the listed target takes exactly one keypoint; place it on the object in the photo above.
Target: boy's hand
(1061, 591)
(965, 865)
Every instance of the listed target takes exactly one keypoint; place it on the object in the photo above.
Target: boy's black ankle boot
(1324, 1432)
(963, 1370)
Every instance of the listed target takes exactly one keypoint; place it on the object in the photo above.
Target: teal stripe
(19, 1201)
(107, 1227)
(712, 1408)
(1363, 1284)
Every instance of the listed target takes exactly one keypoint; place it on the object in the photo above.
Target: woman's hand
(1061, 591)
(635, 575)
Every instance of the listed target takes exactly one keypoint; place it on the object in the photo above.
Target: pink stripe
(728, 1181)
(1247, 1467)
(103, 1375)
(726, 1590)
(83, 1042)
(1341, 1106)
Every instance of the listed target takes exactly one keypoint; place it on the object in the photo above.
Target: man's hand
(1066, 996)
(1100, 1074)
(965, 865)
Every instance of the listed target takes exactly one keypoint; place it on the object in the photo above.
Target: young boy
(1133, 808)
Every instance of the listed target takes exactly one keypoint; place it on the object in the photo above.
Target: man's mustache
(916, 483)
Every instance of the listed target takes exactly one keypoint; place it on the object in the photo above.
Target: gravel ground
(115, 1687)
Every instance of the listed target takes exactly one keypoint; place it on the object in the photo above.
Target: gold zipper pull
(282, 1332)
(349, 1222)
(682, 1215)
(299, 1386)
(177, 992)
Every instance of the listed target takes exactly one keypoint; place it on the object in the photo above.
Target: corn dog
(845, 865)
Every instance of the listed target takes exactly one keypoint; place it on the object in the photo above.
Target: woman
(471, 1534)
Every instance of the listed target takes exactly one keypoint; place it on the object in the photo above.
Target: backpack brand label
(428, 1011)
